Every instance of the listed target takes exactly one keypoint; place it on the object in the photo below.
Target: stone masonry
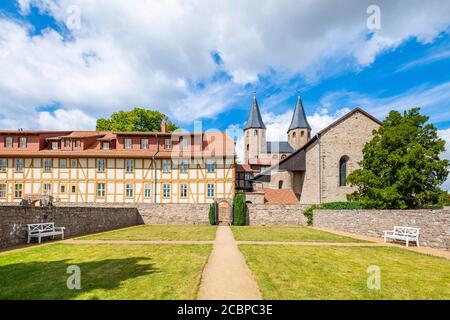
(77, 220)
(276, 215)
(434, 224)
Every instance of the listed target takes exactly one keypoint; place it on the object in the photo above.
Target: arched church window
(283, 156)
(302, 133)
(294, 134)
(343, 171)
(256, 132)
(280, 184)
(248, 147)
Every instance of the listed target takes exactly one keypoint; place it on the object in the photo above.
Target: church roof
(254, 117)
(299, 118)
(278, 147)
(314, 139)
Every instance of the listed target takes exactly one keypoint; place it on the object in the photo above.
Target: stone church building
(304, 169)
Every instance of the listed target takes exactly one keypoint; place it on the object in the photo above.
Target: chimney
(164, 126)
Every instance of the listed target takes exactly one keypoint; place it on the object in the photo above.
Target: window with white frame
(167, 164)
(167, 144)
(183, 190)
(78, 143)
(101, 189)
(211, 166)
(147, 189)
(18, 165)
(73, 164)
(183, 166)
(67, 143)
(129, 165)
(144, 143)
(9, 142)
(210, 190)
(63, 163)
(101, 165)
(22, 142)
(105, 145)
(18, 190)
(166, 190)
(2, 190)
(129, 191)
(55, 145)
(183, 143)
(2, 165)
(63, 188)
(128, 143)
(47, 188)
(47, 165)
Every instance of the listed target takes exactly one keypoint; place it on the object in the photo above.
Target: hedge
(239, 210)
(212, 214)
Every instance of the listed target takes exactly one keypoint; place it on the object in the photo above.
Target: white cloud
(158, 54)
(445, 134)
(63, 119)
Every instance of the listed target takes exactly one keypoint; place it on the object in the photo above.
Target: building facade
(116, 167)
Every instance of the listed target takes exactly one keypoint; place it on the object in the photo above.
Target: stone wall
(77, 220)
(273, 215)
(434, 224)
(173, 213)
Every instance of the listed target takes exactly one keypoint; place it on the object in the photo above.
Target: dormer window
(105, 145)
(8, 142)
(22, 142)
(128, 143)
(144, 144)
(67, 143)
(167, 144)
(55, 145)
(78, 143)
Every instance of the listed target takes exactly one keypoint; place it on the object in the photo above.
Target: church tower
(299, 131)
(254, 133)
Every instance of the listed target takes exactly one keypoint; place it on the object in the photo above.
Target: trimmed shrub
(344, 205)
(212, 214)
(239, 210)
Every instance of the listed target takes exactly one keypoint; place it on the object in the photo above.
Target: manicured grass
(303, 272)
(157, 232)
(107, 271)
(300, 234)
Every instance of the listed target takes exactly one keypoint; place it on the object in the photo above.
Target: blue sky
(65, 63)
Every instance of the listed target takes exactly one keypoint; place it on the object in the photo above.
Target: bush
(212, 214)
(344, 205)
(239, 210)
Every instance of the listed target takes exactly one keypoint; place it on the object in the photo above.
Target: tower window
(280, 184)
(248, 147)
(302, 133)
(256, 132)
(294, 134)
(343, 171)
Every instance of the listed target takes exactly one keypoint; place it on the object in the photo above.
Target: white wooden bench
(41, 230)
(404, 234)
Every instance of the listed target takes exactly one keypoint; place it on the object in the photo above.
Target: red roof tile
(275, 196)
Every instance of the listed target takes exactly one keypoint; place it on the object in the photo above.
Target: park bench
(403, 233)
(40, 230)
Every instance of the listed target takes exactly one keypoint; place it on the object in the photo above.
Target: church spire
(299, 118)
(254, 117)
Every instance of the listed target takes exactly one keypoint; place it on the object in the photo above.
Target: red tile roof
(275, 196)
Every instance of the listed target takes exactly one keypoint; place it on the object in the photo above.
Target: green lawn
(303, 272)
(107, 271)
(301, 234)
(157, 232)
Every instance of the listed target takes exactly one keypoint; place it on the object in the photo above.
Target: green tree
(401, 167)
(239, 210)
(212, 214)
(138, 119)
